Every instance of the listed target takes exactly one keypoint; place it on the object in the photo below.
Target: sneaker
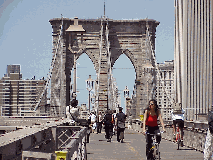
(109, 140)
(122, 141)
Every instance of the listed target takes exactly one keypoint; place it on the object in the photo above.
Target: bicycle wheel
(151, 154)
(178, 142)
(154, 153)
(157, 152)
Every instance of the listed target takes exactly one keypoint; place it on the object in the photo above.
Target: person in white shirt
(93, 121)
(99, 122)
(68, 112)
(178, 118)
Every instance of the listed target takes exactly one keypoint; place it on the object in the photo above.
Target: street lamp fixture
(126, 92)
(128, 106)
(126, 95)
(75, 47)
(89, 85)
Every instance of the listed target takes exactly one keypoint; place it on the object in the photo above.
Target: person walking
(92, 118)
(120, 122)
(114, 124)
(152, 113)
(108, 125)
(99, 122)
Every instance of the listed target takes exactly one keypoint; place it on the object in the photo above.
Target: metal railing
(45, 142)
(76, 148)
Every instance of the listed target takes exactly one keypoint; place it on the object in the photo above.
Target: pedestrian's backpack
(112, 121)
(108, 119)
(121, 120)
(210, 121)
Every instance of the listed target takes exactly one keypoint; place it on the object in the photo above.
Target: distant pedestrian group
(111, 121)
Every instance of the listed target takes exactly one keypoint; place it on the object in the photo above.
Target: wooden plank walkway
(134, 148)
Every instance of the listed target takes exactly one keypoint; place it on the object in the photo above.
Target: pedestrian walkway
(134, 148)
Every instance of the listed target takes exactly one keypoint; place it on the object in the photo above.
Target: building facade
(193, 56)
(13, 69)
(18, 96)
(165, 88)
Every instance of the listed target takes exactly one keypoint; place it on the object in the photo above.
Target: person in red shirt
(152, 113)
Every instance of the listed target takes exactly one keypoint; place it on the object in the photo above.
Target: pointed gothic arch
(122, 36)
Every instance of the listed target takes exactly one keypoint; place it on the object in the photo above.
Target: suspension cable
(49, 76)
(171, 101)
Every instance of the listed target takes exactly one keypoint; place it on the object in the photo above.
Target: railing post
(79, 148)
(53, 129)
(84, 147)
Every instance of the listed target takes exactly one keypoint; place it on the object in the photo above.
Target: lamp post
(92, 101)
(127, 104)
(126, 92)
(75, 47)
(89, 86)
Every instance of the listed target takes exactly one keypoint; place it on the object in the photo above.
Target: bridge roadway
(134, 148)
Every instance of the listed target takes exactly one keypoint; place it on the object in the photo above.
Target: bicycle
(178, 139)
(178, 124)
(155, 147)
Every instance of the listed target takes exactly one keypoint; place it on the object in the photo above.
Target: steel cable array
(49, 75)
(171, 101)
(59, 49)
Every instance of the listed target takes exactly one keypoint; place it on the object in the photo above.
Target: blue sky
(26, 34)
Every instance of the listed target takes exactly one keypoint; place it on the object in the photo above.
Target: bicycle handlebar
(153, 134)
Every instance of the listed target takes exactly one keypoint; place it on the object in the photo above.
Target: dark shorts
(179, 122)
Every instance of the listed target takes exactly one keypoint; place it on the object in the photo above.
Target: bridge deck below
(134, 148)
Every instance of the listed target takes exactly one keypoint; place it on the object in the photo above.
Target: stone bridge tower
(104, 41)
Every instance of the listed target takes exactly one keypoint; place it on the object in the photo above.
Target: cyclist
(152, 113)
(178, 118)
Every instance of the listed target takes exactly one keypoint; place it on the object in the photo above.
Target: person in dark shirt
(108, 125)
(120, 122)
